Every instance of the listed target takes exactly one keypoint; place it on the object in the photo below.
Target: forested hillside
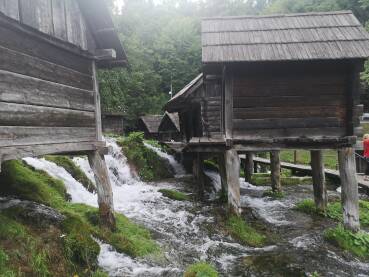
(163, 43)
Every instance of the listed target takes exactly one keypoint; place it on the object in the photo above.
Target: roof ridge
(278, 15)
(290, 42)
(283, 29)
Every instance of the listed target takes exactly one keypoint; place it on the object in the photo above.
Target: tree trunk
(104, 190)
(320, 189)
(350, 193)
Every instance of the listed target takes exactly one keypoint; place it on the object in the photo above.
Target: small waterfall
(177, 167)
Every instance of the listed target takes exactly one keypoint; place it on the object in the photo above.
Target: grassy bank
(147, 163)
(74, 170)
(334, 210)
(303, 157)
(264, 179)
(62, 248)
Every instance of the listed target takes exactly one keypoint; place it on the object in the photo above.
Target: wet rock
(31, 212)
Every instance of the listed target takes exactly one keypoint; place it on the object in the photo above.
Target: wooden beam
(223, 176)
(249, 166)
(320, 189)
(232, 166)
(97, 102)
(104, 190)
(275, 168)
(349, 184)
(198, 172)
(228, 107)
(105, 54)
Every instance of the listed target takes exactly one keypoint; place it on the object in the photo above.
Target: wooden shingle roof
(152, 122)
(291, 37)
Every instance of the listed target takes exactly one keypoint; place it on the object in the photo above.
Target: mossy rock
(74, 170)
(274, 194)
(174, 195)
(148, 164)
(201, 269)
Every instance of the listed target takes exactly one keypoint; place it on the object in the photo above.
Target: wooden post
(275, 168)
(104, 190)
(320, 189)
(350, 193)
(228, 107)
(223, 176)
(232, 166)
(249, 166)
(198, 172)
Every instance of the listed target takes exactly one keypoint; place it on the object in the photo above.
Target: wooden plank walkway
(307, 169)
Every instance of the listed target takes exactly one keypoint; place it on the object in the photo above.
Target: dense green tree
(163, 44)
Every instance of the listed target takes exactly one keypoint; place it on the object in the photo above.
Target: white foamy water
(177, 167)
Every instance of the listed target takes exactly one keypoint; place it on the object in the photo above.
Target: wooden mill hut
(113, 123)
(169, 128)
(149, 125)
(49, 97)
(287, 81)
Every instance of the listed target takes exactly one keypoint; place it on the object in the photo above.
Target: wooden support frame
(319, 184)
(350, 193)
(198, 172)
(223, 176)
(275, 168)
(104, 190)
(228, 107)
(249, 166)
(232, 166)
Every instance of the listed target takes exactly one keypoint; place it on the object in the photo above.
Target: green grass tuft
(241, 231)
(149, 165)
(73, 170)
(175, 195)
(274, 194)
(356, 243)
(334, 210)
(201, 269)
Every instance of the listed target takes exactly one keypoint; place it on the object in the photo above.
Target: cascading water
(187, 231)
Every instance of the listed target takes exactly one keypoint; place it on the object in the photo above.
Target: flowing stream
(187, 231)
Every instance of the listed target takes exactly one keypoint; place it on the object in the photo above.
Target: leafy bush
(201, 269)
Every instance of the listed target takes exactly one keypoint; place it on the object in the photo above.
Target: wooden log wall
(291, 101)
(46, 94)
(59, 18)
(211, 107)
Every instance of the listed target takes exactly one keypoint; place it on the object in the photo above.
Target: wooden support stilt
(350, 193)
(223, 176)
(249, 166)
(104, 190)
(232, 166)
(320, 189)
(198, 172)
(275, 168)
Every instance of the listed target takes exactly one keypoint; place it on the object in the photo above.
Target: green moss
(274, 194)
(241, 231)
(263, 179)
(73, 170)
(99, 273)
(5, 270)
(78, 251)
(175, 195)
(128, 237)
(356, 243)
(20, 180)
(201, 269)
(334, 210)
(148, 164)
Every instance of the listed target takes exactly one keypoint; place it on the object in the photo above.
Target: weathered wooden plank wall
(59, 18)
(306, 101)
(47, 93)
